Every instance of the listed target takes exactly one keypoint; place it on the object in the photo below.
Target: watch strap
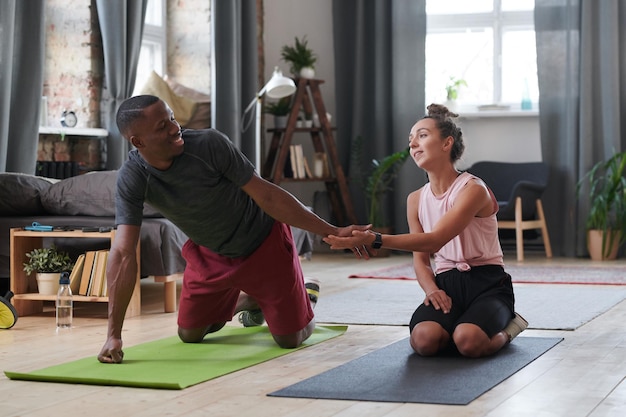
(378, 241)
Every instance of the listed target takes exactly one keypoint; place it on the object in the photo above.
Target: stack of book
(299, 164)
(88, 276)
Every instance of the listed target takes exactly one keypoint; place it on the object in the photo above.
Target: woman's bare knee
(471, 340)
(428, 338)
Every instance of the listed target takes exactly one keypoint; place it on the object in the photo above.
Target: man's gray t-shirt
(200, 193)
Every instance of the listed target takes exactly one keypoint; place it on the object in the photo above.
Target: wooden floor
(582, 376)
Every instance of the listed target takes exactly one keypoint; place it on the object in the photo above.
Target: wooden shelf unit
(22, 285)
(309, 97)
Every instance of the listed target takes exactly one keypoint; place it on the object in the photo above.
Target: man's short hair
(131, 110)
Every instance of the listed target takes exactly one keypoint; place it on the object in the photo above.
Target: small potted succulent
(48, 263)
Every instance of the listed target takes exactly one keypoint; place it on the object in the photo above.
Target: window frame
(155, 35)
(499, 22)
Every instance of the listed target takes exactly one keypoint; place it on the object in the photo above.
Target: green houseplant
(281, 107)
(280, 110)
(300, 57)
(48, 260)
(453, 87)
(606, 221)
(377, 181)
(48, 263)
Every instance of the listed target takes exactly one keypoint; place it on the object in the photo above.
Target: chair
(518, 188)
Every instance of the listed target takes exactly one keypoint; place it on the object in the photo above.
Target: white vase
(450, 104)
(307, 72)
(48, 282)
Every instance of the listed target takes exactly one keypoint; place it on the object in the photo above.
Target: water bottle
(64, 302)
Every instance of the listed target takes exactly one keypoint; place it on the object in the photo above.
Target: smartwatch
(378, 241)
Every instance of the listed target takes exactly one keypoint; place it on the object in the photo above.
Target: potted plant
(300, 57)
(48, 263)
(606, 221)
(376, 183)
(453, 87)
(280, 109)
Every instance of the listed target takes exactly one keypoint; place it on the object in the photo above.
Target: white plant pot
(48, 282)
(307, 72)
(451, 105)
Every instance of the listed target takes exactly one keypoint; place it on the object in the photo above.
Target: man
(240, 253)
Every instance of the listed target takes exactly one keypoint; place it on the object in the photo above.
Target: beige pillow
(201, 118)
(183, 107)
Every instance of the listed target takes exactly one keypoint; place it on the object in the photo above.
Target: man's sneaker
(517, 325)
(251, 318)
(312, 286)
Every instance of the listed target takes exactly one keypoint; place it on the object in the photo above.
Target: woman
(469, 300)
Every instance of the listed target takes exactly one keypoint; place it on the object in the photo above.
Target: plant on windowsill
(300, 57)
(453, 87)
(48, 263)
(606, 221)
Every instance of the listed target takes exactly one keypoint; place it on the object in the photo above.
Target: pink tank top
(477, 245)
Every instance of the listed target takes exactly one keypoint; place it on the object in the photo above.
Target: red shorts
(272, 275)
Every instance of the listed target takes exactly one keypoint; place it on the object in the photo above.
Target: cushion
(201, 118)
(91, 194)
(21, 194)
(183, 107)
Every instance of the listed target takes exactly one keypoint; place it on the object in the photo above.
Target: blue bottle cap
(65, 278)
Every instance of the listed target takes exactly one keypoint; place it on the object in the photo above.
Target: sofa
(88, 201)
(83, 201)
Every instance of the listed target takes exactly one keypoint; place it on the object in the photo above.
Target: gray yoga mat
(547, 307)
(396, 374)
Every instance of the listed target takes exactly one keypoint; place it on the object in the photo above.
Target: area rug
(550, 307)
(170, 364)
(524, 274)
(396, 374)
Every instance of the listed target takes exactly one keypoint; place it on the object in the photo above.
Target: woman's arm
(474, 200)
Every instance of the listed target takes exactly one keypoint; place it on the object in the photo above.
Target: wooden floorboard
(582, 376)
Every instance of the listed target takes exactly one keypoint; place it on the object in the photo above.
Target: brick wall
(74, 69)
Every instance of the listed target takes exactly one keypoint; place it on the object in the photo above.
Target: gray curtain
(581, 64)
(121, 24)
(379, 72)
(22, 45)
(234, 68)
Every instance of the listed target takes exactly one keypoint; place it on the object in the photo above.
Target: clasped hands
(358, 239)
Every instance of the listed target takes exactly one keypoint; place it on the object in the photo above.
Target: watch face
(68, 119)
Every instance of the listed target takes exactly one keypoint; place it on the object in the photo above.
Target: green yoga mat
(170, 364)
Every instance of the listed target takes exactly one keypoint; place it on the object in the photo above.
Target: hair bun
(440, 111)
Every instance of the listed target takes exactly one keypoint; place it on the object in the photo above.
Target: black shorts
(482, 296)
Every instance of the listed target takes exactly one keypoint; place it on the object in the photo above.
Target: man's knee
(197, 335)
(293, 340)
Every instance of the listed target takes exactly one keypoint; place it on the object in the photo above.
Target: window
(153, 45)
(490, 44)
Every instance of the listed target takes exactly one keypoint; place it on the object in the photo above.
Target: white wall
(500, 138)
(286, 19)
